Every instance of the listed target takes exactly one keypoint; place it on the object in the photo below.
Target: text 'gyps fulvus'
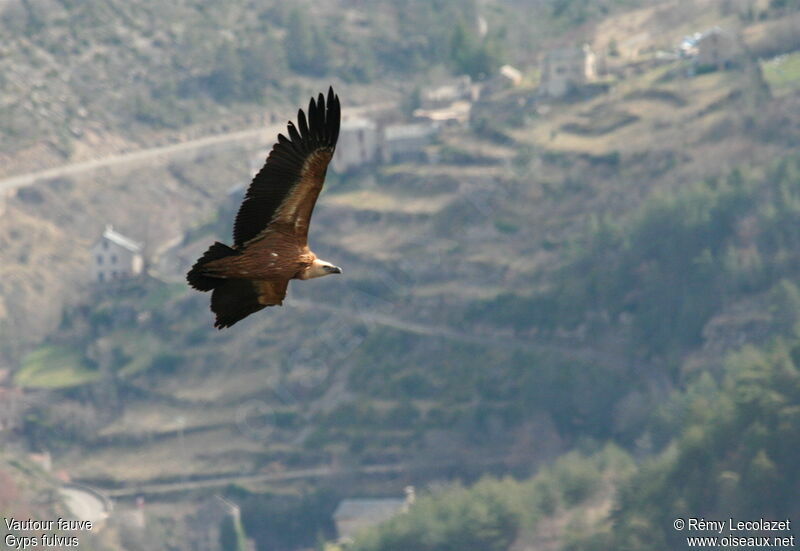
(270, 235)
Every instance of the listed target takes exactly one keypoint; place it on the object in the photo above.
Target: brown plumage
(270, 235)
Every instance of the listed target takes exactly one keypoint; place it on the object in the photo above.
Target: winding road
(265, 135)
(135, 157)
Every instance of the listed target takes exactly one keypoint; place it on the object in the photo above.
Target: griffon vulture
(270, 235)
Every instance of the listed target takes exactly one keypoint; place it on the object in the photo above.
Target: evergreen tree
(307, 47)
(299, 41)
(470, 55)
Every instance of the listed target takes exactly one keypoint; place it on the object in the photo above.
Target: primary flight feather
(270, 234)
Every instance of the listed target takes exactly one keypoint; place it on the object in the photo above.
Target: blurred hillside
(82, 79)
(598, 291)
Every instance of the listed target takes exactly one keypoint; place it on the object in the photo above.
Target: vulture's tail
(197, 276)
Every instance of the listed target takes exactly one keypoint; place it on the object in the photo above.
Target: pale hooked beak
(334, 269)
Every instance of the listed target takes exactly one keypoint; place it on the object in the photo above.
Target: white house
(458, 89)
(511, 75)
(716, 48)
(506, 78)
(565, 69)
(358, 144)
(115, 256)
(354, 515)
(206, 525)
(407, 142)
(455, 114)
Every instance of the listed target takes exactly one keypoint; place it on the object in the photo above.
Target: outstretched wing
(284, 192)
(235, 299)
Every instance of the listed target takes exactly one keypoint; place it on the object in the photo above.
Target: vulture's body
(271, 230)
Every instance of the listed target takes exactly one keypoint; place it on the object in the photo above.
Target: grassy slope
(54, 367)
(783, 73)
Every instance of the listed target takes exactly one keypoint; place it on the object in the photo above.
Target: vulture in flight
(270, 235)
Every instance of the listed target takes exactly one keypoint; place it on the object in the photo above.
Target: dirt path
(568, 350)
(283, 476)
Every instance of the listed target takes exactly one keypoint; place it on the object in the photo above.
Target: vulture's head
(319, 268)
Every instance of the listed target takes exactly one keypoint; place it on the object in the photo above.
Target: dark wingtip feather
(334, 115)
(294, 135)
(312, 109)
(318, 127)
(220, 325)
(302, 123)
(196, 277)
(232, 301)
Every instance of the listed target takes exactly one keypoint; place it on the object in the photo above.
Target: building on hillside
(716, 48)
(438, 97)
(357, 146)
(687, 48)
(506, 78)
(363, 141)
(510, 75)
(206, 525)
(455, 114)
(566, 69)
(357, 514)
(407, 142)
(115, 257)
